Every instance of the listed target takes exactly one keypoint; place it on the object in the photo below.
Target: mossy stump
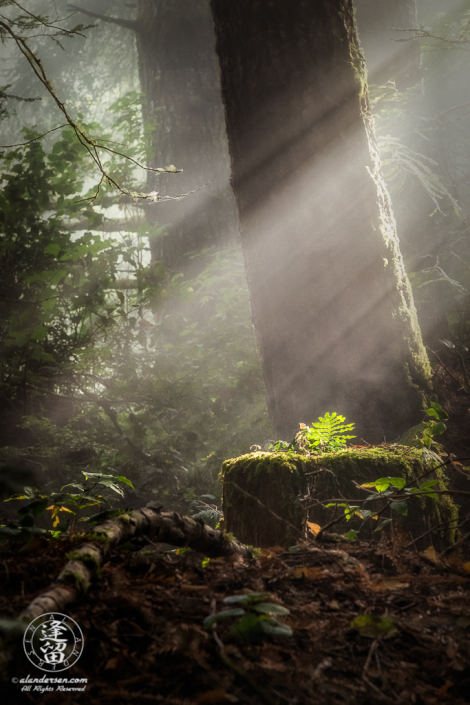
(261, 499)
(259, 484)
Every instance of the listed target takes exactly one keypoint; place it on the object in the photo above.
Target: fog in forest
(156, 323)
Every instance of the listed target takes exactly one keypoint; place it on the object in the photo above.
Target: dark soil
(144, 638)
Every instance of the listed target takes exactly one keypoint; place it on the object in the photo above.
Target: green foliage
(433, 428)
(207, 513)
(255, 623)
(105, 358)
(70, 502)
(385, 488)
(57, 294)
(325, 436)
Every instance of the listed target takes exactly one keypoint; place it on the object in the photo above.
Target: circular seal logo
(53, 642)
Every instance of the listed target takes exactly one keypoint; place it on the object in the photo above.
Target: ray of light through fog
(278, 215)
(285, 211)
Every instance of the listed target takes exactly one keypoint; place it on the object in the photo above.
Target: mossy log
(85, 562)
(267, 497)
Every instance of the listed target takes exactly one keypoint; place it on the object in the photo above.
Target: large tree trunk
(180, 77)
(332, 307)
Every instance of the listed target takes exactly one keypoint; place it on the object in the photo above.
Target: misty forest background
(126, 344)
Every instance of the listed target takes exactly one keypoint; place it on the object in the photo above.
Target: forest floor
(372, 622)
(145, 641)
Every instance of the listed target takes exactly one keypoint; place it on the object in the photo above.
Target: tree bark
(332, 307)
(180, 77)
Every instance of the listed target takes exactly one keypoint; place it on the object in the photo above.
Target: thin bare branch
(25, 144)
(91, 145)
(130, 24)
(50, 25)
(421, 33)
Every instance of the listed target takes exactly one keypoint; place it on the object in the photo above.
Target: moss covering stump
(258, 486)
(261, 499)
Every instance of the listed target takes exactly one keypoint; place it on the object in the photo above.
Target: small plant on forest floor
(255, 623)
(329, 434)
(69, 502)
(208, 513)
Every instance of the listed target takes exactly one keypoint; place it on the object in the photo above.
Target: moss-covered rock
(260, 483)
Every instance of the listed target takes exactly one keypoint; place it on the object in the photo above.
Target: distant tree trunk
(180, 77)
(388, 58)
(332, 307)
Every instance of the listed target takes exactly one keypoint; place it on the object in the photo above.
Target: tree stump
(268, 497)
(261, 499)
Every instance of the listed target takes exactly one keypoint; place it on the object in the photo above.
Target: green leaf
(9, 532)
(349, 511)
(275, 628)
(436, 411)
(52, 249)
(398, 482)
(244, 599)
(121, 478)
(437, 429)
(383, 524)
(249, 628)
(57, 276)
(381, 484)
(270, 608)
(39, 333)
(112, 486)
(400, 507)
(427, 485)
(222, 616)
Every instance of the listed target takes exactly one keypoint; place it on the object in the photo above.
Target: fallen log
(87, 560)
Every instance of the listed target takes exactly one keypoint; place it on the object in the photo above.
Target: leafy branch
(92, 146)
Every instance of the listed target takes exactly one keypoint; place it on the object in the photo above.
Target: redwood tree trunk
(180, 77)
(332, 307)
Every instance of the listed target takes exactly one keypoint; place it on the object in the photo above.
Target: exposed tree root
(86, 561)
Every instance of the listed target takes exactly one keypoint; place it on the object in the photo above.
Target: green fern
(209, 516)
(330, 433)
